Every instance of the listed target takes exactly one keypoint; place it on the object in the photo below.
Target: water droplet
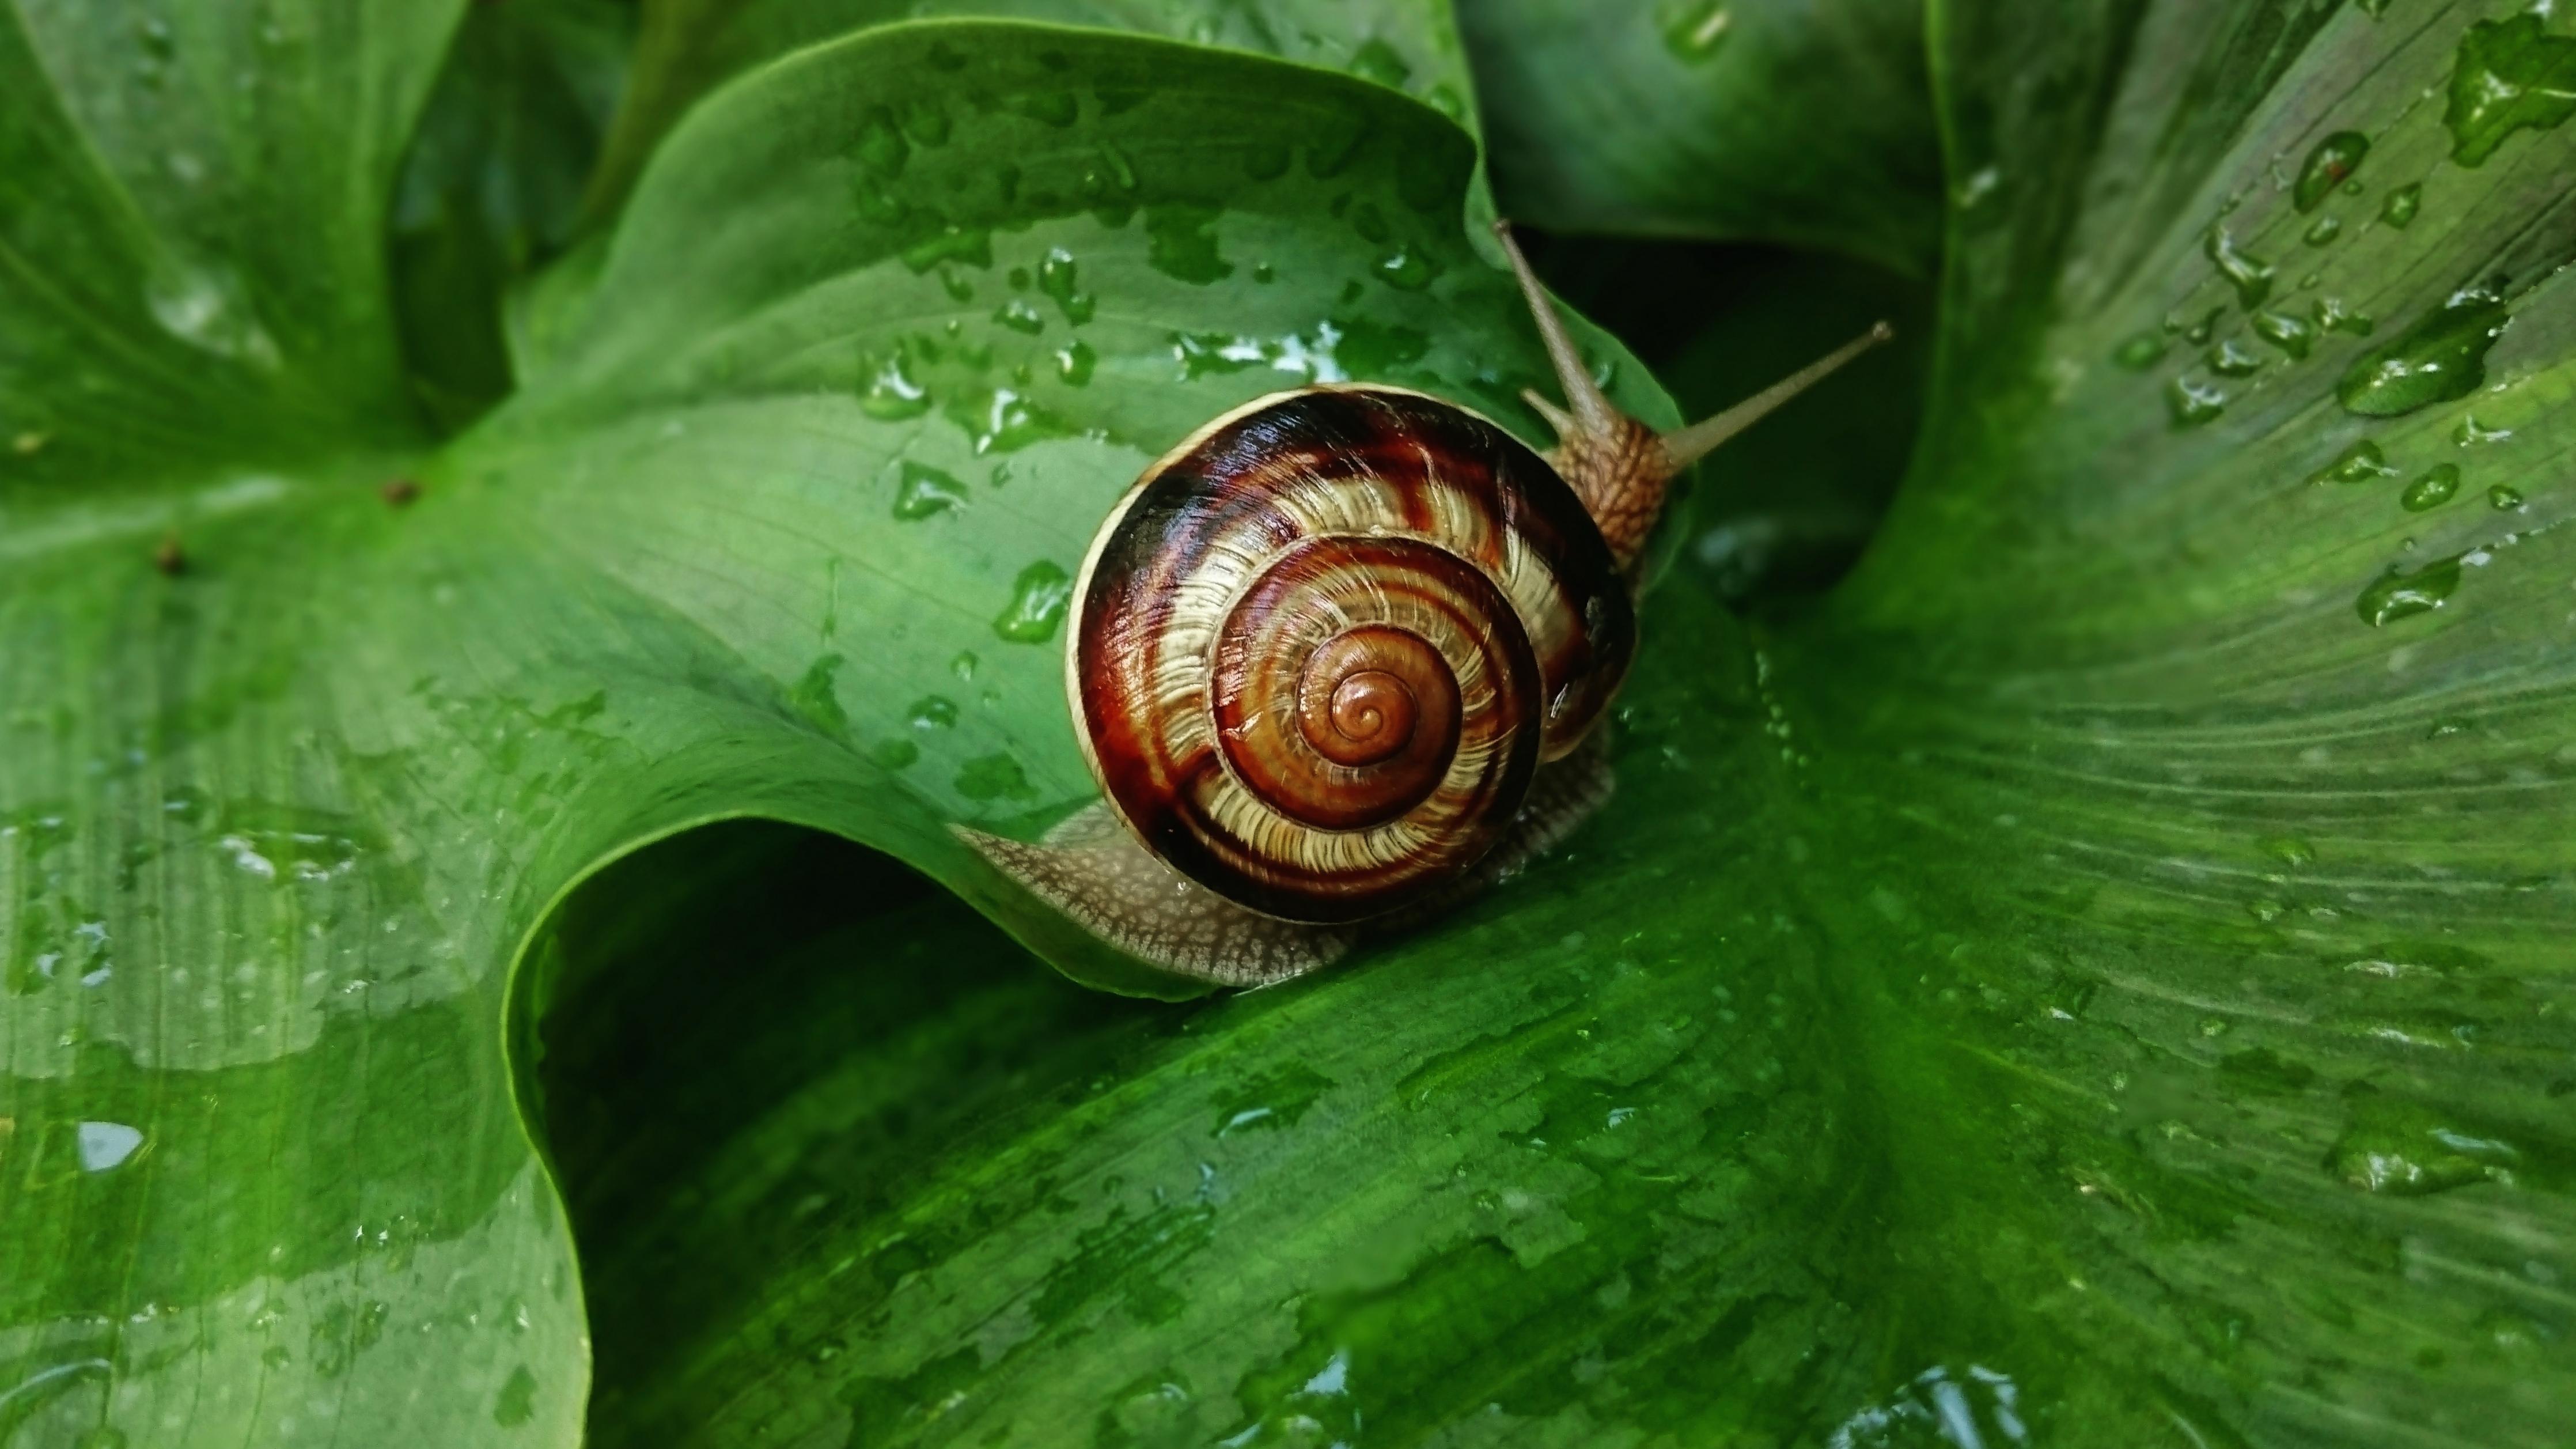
(1335, 139)
(950, 243)
(2360, 463)
(1378, 61)
(2323, 230)
(2507, 76)
(2194, 403)
(2285, 332)
(2402, 204)
(1407, 270)
(2396, 595)
(2140, 352)
(206, 309)
(2332, 317)
(879, 146)
(1019, 316)
(1075, 363)
(2469, 433)
(963, 665)
(2251, 276)
(2331, 161)
(924, 123)
(1052, 108)
(517, 1403)
(2504, 499)
(994, 777)
(2233, 359)
(1184, 244)
(2207, 327)
(1039, 597)
(895, 754)
(1005, 421)
(933, 712)
(1695, 30)
(2402, 1149)
(1265, 161)
(1056, 278)
(2433, 489)
(2440, 359)
(104, 1146)
(925, 491)
(892, 394)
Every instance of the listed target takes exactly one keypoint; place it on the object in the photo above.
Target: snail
(1334, 659)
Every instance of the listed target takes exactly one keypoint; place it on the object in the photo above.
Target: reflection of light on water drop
(1694, 31)
(105, 1145)
(205, 310)
(1973, 1410)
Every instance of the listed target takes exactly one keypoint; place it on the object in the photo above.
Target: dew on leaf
(924, 123)
(2332, 316)
(2405, 1149)
(104, 1146)
(1039, 597)
(2207, 327)
(1335, 141)
(925, 491)
(2363, 462)
(2233, 359)
(963, 663)
(1019, 316)
(2508, 75)
(1004, 421)
(895, 754)
(2469, 433)
(1377, 61)
(994, 777)
(932, 712)
(2433, 489)
(879, 147)
(2441, 358)
(1183, 243)
(2193, 403)
(1056, 278)
(1074, 364)
(2399, 595)
(2329, 164)
(2321, 231)
(951, 243)
(1052, 108)
(2141, 351)
(2250, 275)
(2285, 332)
(2504, 499)
(892, 395)
(2402, 204)
(1407, 270)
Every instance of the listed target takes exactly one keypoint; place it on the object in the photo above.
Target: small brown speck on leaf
(399, 492)
(169, 558)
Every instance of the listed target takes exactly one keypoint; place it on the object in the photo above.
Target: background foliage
(522, 524)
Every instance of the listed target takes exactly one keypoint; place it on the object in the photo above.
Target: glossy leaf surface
(2101, 979)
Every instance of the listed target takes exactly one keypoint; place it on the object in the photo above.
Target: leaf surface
(310, 723)
(1807, 122)
(2102, 979)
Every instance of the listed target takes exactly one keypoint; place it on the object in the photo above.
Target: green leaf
(689, 47)
(2093, 983)
(493, 183)
(772, 535)
(1806, 123)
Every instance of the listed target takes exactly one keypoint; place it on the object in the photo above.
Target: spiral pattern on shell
(1322, 646)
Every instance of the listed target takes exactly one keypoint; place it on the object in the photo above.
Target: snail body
(1330, 655)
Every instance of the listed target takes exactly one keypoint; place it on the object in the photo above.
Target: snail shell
(1322, 646)
(1327, 649)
